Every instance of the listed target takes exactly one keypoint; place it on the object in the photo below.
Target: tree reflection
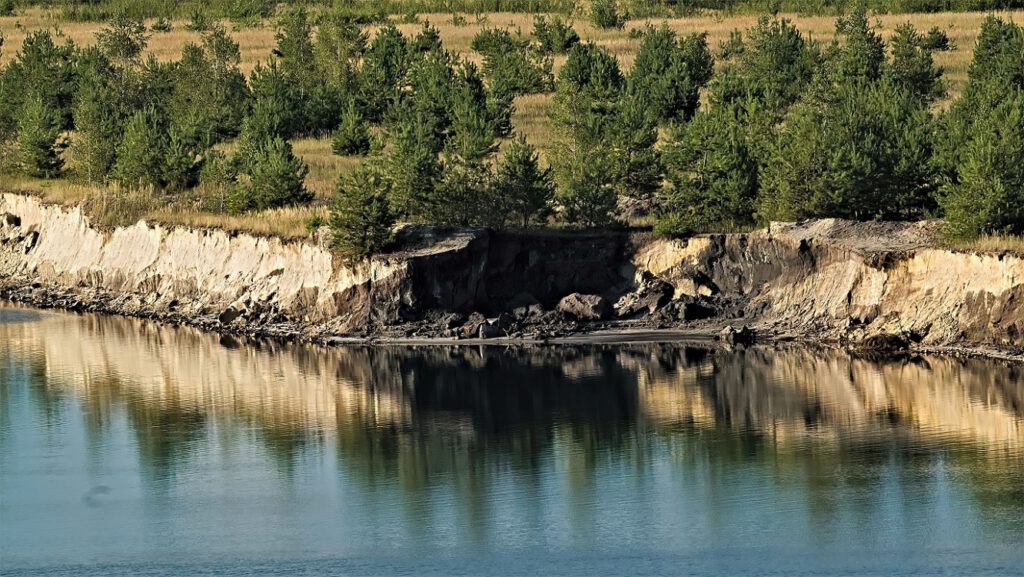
(831, 426)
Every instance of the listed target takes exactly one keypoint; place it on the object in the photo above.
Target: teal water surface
(130, 448)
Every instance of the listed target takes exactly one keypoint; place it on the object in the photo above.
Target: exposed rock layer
(823, 279)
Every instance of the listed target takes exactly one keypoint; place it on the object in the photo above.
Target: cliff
(827, 279)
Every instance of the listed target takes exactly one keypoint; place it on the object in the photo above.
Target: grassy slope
(531, 111)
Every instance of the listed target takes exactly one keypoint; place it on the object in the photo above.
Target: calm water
(130, 448)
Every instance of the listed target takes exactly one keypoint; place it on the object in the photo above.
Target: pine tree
(712, 166)
(361, 217)
(668, 73)
(412, 167)
(274, 178)
(140, 156)
(527, 190)
(912, 65)
(39, 140)
(351, 137)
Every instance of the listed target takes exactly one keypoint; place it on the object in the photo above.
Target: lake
(131, 448)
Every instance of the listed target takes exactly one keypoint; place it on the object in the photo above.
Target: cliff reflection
(415, 415)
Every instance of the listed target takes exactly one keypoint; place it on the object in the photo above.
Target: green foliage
(555, 36)
(140, 156)
(248, 10)
(527, 190)
(774, 65)
(936, 40)
(209, 96)
(463, 196)
(585, 191)
(162, 25)
(605, 14)
(340, 45)
(981, 139)
(629, 136)
(361, 217)
(668, 73)
(351, 137)
(864, 153)
(123, 40)
(912, 66)
(712, 164)
(39, 140)
(471, 133)
(273, 178)
(99, 114)
(987, 194)
(510, 66)
(591, 71)
(861, 56)
(411, 166)
(41, 70)
(276, 109)
(315, 108)
(385, 64)
(606, 137)
(997, 56)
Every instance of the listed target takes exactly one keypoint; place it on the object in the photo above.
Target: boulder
(584, 307)
(738, 336)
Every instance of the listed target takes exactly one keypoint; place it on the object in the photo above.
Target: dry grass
(110, 206)
(992, 244)
(255, 43)
(531, 114)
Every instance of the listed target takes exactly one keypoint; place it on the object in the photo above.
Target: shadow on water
(848, 440)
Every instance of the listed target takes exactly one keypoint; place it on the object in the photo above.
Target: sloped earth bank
(873, 285)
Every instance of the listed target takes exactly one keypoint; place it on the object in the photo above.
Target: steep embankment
(824, 279)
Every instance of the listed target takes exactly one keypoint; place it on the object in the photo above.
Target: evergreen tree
(863, 154)
(41, 70)
(668, 73)
(605, 14)
(361, 217)
(462, 196)
(316, 106)
(140, 156)
(774, 65)
(385, 64)
(987, 193)
(629, 140)
(39, 140)
(861, 56)
(912, 65)
(712, 165)
(981, 139)
(351, 137)
(471, 134)
(526, 189)
(591, 71)
(555, 36)
(273, 178)
(412, 167)
(209, 96)
(339, 46)
(99, 114)
(510, 66)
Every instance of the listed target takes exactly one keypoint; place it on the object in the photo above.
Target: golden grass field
(531, 116)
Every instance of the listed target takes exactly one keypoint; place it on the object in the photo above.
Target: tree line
(786, 128)
(604, 13)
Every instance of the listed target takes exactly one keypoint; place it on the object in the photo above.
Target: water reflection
(484, 446)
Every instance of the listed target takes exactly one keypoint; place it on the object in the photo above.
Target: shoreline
(707, 335)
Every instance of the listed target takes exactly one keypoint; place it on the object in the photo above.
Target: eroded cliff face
(213, 278)
(823, 279)
(852, 280)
